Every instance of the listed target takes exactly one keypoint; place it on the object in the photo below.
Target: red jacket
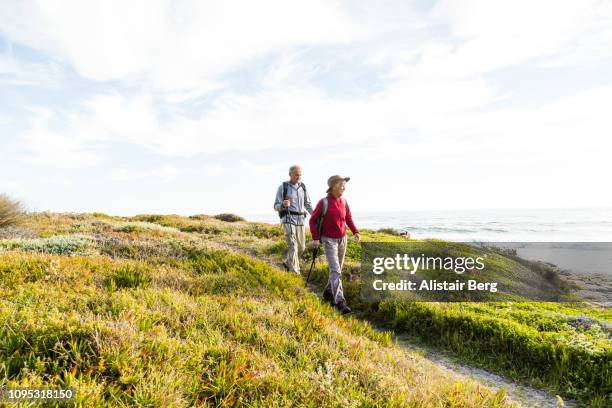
(335, 222)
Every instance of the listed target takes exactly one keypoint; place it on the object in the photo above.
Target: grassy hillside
(163, 311)
(564, 347)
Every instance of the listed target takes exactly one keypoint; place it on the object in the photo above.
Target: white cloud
(279, 117)
(44, 146)
(14, 71)
(165, 174)
(59, 181)
(172, 45)
(243, 169)
(12, 188)
(497, 34)
(431, 114)
(182, 47)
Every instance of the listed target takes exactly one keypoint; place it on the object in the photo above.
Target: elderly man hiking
(333, 214)
(291, 202)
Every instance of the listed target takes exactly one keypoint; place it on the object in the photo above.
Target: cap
(334, 179)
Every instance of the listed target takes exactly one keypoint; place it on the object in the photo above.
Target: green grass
(129, 276)
(120, 272)
(565, 347)
(127, 314)
(531, 345)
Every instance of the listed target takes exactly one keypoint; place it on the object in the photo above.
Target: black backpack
(321, 218)
(285, 211)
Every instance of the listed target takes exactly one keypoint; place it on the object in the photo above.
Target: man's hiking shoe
(327, 296)
(343, 308)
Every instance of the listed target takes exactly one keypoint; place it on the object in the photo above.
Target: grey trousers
(295, 238)
(335, 248)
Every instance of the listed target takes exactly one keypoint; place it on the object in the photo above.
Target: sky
(193, 107)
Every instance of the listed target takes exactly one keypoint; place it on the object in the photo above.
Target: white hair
(294, 168)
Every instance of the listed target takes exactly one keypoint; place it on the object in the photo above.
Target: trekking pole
(290, 222)
(315, 252)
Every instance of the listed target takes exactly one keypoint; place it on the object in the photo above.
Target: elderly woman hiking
(333, 214)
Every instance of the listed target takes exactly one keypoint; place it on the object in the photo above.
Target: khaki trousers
(295, 238)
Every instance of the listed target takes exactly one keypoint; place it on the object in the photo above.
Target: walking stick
(315, 252)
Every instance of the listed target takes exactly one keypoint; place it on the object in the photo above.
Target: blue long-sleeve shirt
(300, 202)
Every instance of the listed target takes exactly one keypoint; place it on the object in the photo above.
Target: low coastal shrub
(141, 249)
(263, 231)
(16, 232)
(200, 217)
(11, 211)
(59, 244)
(227, 217)
(390, 231)
(139, 226)
(17, 270)
(556, 357)
(129, 276)
(49, 348)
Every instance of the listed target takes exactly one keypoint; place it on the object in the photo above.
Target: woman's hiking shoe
(343, 308)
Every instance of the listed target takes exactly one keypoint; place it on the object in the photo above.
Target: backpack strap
(326, 205)
(283, 211)
(321, 218)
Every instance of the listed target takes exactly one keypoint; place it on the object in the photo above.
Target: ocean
(554, 225)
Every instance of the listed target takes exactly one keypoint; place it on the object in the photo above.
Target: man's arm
(308, 203)
(278, 202)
